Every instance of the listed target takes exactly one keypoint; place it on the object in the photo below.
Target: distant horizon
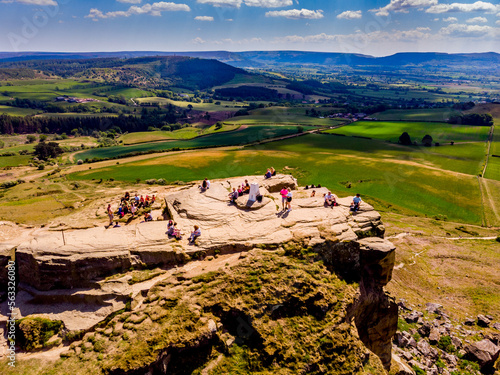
(243, 51)
(369, 27)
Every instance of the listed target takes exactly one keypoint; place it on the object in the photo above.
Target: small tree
(44, 151)
(427, 140)
(218, 125)
(405, 139)
(30, 138)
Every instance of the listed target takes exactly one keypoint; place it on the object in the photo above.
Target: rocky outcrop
(351, 245)
(485, 353)
(76, 258)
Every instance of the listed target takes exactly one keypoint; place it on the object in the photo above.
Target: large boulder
(484, 352)
(278, 182)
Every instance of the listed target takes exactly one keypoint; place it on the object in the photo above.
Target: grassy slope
(390, 131)
(432, 114)
(243, 136)
(15, 111)
(383, 178)
(185, 133)
(210, 107)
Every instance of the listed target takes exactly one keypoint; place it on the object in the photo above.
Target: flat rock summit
(61, 271)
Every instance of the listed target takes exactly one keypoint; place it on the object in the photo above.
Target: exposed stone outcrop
(75, 258)
(350, 244)
(484, 352)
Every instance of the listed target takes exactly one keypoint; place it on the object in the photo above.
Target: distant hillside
(192, 73)
(488, 60)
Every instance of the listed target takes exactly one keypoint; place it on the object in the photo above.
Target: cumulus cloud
(359, 40)
(350, 15)
(130, 1)
(198, 40)
(450, 19)
(250, 3)
(477, 20)
(204, 18)
(154, 9)
(403, 6)
(296, 14)
(268, 3)
(222, 3)
(34, 2)
(459, 30)
(478, 6)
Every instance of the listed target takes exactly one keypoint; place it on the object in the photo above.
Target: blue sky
(373, 27)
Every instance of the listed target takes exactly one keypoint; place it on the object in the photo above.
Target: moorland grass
(391, 130)
(15, 111)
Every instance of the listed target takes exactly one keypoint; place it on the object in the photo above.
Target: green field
(15, 111)
(238, 137)
(14, 161)
(377, 171)
(493, 169)
(282, 115)
(390, 131)
(184, 133)
(226, 106)
(432, 114)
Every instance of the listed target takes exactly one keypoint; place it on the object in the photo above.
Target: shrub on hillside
(33, 333)
(151, 181)
(405, 139)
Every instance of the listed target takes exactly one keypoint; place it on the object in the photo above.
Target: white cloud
(350, 15)
(403, 6)
(296, 14)
(461, 7)
(360, 39)
(154, 9)
(204, 18)
(450, 19)
(130, 1)
(498, 22)
(477, 20)
(34, 2)
(268, 3)
(458, 30)
(222, 3)
(198, 40)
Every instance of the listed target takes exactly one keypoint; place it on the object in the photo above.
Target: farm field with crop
(239, 137)
(391, 130)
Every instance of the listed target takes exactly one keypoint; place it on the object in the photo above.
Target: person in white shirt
(195, 234)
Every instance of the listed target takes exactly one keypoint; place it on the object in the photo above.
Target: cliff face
(340, 306)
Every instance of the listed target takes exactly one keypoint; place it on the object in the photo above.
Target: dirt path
(490, 140)
(490, 202)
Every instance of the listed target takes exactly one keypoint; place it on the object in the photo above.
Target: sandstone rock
(423, 347)
(402, 339)
(434, 336)
(469, 322)
(403, 305)
(425, 329)
(413, 317)
(433, 308)
(278, 182)
(484, 352)
(457, 343)
(212, 327)
(399, 367)
(483, 321)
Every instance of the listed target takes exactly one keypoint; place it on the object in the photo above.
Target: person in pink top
(283, 193)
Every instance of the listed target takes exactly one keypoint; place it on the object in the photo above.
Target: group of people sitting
(173, 231)
(270, 172)
(130, 205)
(244, 188)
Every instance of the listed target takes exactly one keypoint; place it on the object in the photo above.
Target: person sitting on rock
(136, 198)
(148, 217)
(246, 187)
(116, 225)
(153, 199)
(171, 228)
(133, 209)
(268, 174)
(141, 202)
(313, 193)
(330, 200)
(273, 171)
(356, 202)
(195, 234)
(205, 185)
(233, 196)
(127, 196)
